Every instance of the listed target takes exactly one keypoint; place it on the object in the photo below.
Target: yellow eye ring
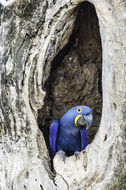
(79, 110)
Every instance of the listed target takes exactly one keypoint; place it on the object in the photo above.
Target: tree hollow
(76, 72)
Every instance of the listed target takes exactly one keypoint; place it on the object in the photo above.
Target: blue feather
(84, 138)
(53, 136)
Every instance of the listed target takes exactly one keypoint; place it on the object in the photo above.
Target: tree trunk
(32, 34)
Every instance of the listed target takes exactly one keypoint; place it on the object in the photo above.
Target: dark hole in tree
(75, 77)
(105, 138)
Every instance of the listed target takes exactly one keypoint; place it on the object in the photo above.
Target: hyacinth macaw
(68, 135)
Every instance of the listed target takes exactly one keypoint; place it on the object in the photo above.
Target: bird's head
(79, 116)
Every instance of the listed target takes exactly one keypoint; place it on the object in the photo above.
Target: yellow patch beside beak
(76, 119)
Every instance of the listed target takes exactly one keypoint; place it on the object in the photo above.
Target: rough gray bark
(32, 33)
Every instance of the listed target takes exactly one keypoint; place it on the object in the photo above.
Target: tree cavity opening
(76, 74)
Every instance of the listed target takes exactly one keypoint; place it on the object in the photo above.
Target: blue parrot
(68, 135)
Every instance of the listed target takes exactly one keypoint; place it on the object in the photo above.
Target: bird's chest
(69, 139)
(69, 132)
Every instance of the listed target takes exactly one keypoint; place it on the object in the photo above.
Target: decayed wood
(32, 33)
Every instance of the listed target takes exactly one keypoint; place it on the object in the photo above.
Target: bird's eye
(79, 110)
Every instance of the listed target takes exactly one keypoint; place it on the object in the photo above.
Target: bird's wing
(53, 136)
(84, 138)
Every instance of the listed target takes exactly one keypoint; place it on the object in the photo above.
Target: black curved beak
(81, 122)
